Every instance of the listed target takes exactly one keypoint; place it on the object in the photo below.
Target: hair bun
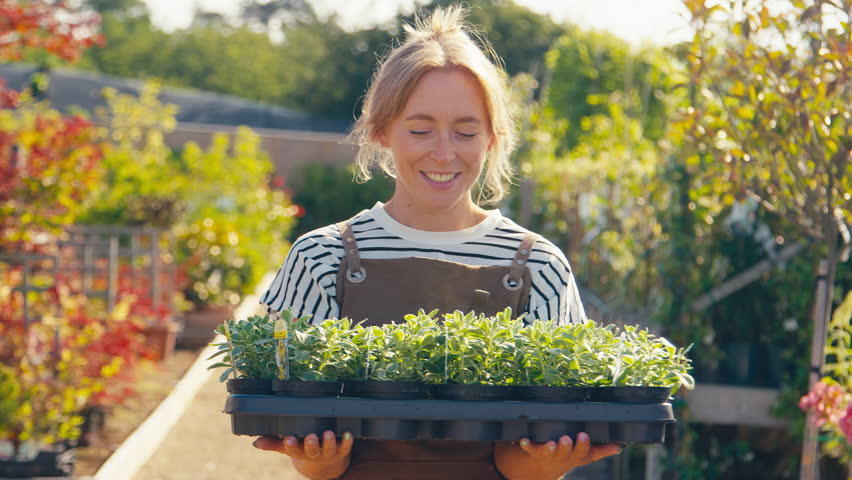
(441, 21)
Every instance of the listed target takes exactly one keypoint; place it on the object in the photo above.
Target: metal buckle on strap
(356, 276)
(512, 285)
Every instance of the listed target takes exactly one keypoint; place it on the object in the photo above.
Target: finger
(293, 449)
(539, 450)
(272, 444)
(581, 449)
(566, 448)
(598, 452)
(329, 444)
(527, 446)
(346, 445)
(548, 450)
(312, 446)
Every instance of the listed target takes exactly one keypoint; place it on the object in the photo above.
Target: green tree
(767, 85)
(319, 66)
(134, 48)
(282, 12)
(595, 154)
(329, 68)
(120, 8)
(140, 185)
(587, 66)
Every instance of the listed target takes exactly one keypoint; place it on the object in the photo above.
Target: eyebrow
(424, 116)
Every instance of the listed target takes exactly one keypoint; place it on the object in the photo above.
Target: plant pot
(56, 462)
(469, 430)
(249, 386)
(160, 339)
(542, 393)
(301, 427)
(630, 394)
(94, 418)
(199, 325)
(385, 390)
(353, 388)
(390, 428)
(473, 393)
(546, 431)
(303, 388)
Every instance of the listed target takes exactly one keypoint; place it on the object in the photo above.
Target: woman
(436, 117)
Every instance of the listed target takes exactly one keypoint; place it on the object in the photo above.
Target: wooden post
(810, 461)
(526, 201)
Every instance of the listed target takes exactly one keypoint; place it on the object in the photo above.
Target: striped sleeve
(554, 294)
(305, 283)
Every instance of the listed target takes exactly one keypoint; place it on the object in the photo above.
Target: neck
(463, 215)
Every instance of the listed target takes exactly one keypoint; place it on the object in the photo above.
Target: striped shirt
(306, 281)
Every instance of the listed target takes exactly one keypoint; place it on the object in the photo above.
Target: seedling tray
(447, 419)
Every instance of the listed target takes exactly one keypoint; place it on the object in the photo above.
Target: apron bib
(380, 291)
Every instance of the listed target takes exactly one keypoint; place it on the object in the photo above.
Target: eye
(466, 135)
(419, 132)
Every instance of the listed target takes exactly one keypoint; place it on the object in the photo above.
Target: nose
(443, 149)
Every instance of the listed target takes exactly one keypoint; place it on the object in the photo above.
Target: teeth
(440, 177)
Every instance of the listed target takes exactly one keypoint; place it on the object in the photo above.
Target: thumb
(269, 443)
(598, 452)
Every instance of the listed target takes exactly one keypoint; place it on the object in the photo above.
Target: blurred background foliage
(660, 171)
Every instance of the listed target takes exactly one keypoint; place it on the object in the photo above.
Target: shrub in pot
(57, 367)
(643, 368)
(550, 371)
(468, 356)
(247, 355)
(480, 356)
(319, 357)
(391, 361)
(235, 226)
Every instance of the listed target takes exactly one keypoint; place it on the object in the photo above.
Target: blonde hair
(440, 42)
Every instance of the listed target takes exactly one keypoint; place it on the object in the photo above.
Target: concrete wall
(288, 149)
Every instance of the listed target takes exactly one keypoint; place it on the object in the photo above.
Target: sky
(637, 21)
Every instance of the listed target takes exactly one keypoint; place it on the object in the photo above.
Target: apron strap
(354, 271)
(514, 279)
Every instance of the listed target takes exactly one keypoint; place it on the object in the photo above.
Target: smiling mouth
(440, 177)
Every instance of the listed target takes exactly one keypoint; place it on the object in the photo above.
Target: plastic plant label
(280, 328)
(281, 347)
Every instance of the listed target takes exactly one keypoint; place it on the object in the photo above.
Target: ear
(492, 140)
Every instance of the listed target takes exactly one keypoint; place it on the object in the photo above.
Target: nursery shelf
(448, 420)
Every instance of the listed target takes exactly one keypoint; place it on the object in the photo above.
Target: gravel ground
(201, 447)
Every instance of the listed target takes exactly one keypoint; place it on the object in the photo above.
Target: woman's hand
(311, 460)
(548, 461)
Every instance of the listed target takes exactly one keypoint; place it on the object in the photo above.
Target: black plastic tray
(448, 420)
(46, 464)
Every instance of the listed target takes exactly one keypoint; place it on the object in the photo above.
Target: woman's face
(439, 142)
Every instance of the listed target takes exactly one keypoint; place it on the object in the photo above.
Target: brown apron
(383, 291)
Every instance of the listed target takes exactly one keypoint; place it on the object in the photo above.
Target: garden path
(200, 446)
